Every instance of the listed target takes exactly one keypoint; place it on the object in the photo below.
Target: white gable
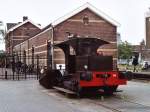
(92, 8)
(20, 24)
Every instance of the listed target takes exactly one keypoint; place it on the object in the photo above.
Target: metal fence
(16, 67)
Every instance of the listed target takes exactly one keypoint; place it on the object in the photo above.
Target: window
(86, 20)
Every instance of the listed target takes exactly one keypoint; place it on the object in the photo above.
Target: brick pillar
(49, 55)
(147, 32)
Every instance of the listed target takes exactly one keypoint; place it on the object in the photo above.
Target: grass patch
(130, 68)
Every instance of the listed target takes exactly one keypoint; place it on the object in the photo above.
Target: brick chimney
(25, 18)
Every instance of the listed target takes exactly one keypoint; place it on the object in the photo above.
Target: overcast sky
(129, 13)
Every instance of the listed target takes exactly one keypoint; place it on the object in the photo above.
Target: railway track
(105, 106)
(122, 105)
(141, 76)
(113, 103)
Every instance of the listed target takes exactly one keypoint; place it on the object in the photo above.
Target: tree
(2, 54)
(125, 50)
(2, 32)
(2, 58)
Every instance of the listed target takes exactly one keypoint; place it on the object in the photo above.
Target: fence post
(18, 76)
(6, 68)
(13, 66)
(13, 75)
(24, 69)
(5, 74)
(37, 68)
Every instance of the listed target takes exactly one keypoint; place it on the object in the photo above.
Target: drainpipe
(52, 49)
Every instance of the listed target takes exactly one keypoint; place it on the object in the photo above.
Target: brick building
(85, 21)
(19, 32)
(143, 50)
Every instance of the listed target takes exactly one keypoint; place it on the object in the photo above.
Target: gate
(15, 67)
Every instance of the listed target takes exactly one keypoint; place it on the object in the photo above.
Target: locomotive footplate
(64, 90)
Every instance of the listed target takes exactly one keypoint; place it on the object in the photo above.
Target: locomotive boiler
(85, 69)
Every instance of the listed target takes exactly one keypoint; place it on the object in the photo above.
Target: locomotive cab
(86, 69)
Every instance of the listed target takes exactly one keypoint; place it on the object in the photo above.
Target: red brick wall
(21, 34)
(27, 30)
(38, 42)
(97, 27)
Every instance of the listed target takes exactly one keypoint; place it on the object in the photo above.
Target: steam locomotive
(85, 69)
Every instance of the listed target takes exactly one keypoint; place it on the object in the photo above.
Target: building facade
(142, 52)
(86, 21)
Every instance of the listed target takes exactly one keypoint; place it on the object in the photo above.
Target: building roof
(20, 24)
(90, 7)
(81, 8)
(10, 25)
(136, 47)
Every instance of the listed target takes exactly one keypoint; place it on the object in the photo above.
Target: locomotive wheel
(110, 89)
(80, 92)
(51, 78)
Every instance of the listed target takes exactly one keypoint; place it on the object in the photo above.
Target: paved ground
(29, 96)
(137, 91)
